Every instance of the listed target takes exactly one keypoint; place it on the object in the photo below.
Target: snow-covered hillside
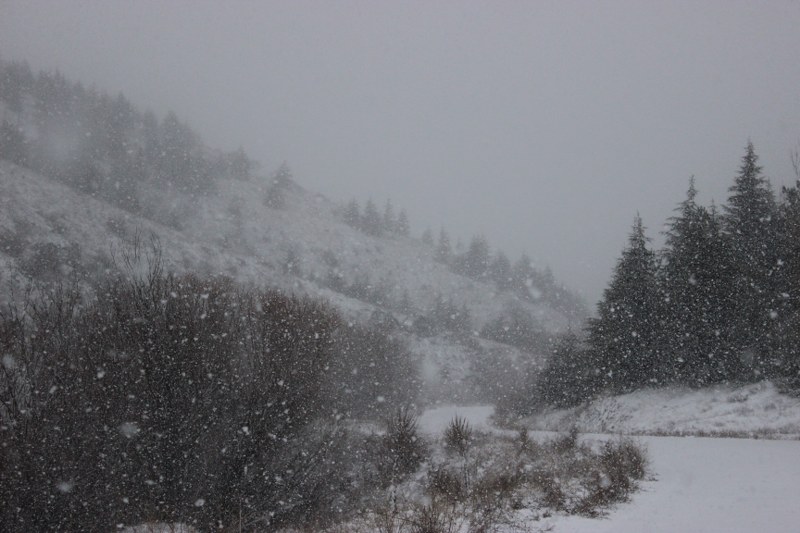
(49, 230)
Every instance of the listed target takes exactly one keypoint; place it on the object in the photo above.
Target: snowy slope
(235, 234)
(756, 409)
(48, 230)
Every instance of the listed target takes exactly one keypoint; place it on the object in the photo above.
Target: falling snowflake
(65, 486)
(9, 363)
(129, 429)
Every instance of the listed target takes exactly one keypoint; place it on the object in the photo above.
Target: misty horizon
(545, 128)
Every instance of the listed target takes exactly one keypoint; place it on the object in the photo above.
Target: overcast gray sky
(544, 125)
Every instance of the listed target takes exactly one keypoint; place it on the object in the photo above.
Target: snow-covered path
(709, 485)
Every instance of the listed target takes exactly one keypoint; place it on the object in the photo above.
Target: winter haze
(543, 125)
(309, 266)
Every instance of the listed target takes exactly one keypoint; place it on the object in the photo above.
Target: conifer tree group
(720, 303)
(371, 222)
(102, 145)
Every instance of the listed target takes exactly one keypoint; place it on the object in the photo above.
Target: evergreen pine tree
(372, 222)
(475, 262)
(624, 337)
(352, 213)
(389, 219)
(523, 275)
(427, 237)
(692, 276)
(403, 226)
(239, 165)
(749, 224)
(501, 271)
(279, 185)
(177, 143)
(444, 252)
(568, 377)
(13, 145)
(786, 325)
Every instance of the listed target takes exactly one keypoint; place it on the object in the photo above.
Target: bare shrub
(527, 446)
(444, 483)
(492, 492)
(371, 373)
(619, 465)
(497, 478)
(437, 517)
(633, 457)
(566, 443)
(170, 399)
(552, 493)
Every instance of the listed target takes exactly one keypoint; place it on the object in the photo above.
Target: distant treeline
(103, 145)
(476, 262)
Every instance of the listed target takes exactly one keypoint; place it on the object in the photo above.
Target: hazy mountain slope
(49, 230)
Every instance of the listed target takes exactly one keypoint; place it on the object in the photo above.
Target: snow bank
(752, 410)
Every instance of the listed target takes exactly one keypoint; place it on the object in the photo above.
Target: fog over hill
(544, 127)
(326, 267)
(93, 175)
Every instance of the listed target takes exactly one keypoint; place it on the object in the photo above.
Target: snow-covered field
(698, 484)
(706, 485)
(435, 420)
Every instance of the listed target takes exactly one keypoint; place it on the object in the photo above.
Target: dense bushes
(371, 374)
(176, 399)
(504, 478)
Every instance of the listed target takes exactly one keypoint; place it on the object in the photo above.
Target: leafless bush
(552, 492)
(526, 444)
(437, 517)
(371, 374)
(170, 399)
(612, 475)
(566, 443)
(562, 475)
(444, 483)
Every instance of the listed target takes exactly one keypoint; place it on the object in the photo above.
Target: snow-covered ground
(751, 410)
(434, 421)
(699, 484)
(706, 485)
